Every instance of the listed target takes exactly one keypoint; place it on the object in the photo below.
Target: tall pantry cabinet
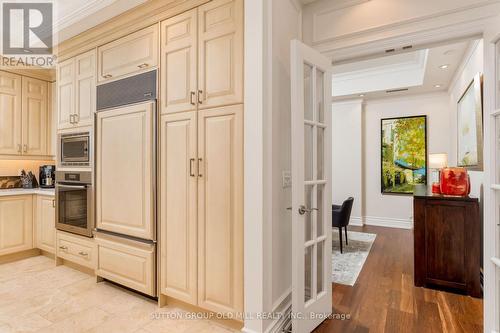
(201, 156)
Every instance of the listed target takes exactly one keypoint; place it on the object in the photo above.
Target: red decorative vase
(455, 181)
(436, 188)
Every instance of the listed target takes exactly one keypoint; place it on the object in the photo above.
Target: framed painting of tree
(404, 154)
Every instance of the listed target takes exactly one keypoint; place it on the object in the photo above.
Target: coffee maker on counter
(47, 176)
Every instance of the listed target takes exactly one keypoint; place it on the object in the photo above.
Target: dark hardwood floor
(384, 298)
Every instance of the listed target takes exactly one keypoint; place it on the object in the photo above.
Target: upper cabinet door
(220, 209)
(35, 96)
(135, 53)
(178, 192)
(85, 88)
(125, 171)
(220, 59)
(65, 93)
(178, 62)
(10, 114)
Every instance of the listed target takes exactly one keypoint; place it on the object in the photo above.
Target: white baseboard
(357, 221)
(389, 222)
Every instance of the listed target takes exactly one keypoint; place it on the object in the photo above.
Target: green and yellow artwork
(404, 154)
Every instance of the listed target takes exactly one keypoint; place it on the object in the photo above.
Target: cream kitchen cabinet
(77, 249)
(24, 115)
(125, 171)
(178, 201)
(16, 224)
(201, 207)
(10, 114)
(76, 91)
(132, 54)
(127, 262)
(35, 118)
(45, 229)
(202, 57)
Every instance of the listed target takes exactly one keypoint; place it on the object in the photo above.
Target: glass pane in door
(320, 99)
(308, 220)
(308, 269)
(497, 79)
(321, 212)
(308, 107)
(320, 153)
(320, 284)
(308, 152)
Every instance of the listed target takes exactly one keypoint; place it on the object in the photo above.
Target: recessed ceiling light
(437, 86)
(362, 95)
(445, 66)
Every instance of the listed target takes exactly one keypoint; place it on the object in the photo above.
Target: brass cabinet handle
(77, 118)
(19, 148)
(63, 247)
(193, 102)
(199, 161)
(53, 203)
(25, 148)
(83, 253)
(191, 172)
(71, 119)
(144, 65)
(107, 76)
(200, 96)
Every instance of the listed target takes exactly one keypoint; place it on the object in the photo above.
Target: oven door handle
(79, 187)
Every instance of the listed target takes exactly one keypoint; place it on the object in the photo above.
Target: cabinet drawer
(76, 249)
(127, 262)
(132, 54)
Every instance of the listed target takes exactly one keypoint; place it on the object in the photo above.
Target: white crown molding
(88, 9)
(389, 222)
(392, 26)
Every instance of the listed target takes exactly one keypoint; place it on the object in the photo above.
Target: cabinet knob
(63, 247)
(143, 65)
(83, 254)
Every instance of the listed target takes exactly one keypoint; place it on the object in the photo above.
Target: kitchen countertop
(27, 191)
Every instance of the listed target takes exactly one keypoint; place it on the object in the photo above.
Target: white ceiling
(450, 54)
(75, 16)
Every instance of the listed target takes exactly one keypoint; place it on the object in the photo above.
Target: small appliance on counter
(47, 176)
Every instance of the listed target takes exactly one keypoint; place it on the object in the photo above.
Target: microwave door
(75, 149)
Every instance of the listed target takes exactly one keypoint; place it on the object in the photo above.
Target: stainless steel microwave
(74, 149)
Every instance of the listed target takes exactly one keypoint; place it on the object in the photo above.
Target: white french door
(311, 194)
(492, 176)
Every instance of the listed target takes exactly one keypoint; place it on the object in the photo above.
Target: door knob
(303, 209)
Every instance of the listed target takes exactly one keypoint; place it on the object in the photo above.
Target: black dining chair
(340, 218)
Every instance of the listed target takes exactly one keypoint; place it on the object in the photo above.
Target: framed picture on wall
(470, 126)
(404, 154)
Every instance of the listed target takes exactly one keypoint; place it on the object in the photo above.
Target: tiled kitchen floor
(36, 296)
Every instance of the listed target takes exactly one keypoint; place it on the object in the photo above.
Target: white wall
(388, 209)
(347, 155)
(285, 27)
(473, 64)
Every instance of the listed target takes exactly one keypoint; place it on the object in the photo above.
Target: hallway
(384, 298)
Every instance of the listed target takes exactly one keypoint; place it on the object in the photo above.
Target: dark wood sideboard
(447, 242)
